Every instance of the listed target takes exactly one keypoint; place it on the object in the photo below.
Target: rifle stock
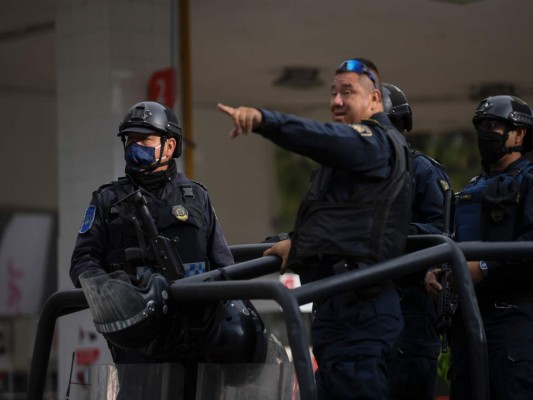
(156, 251)
(445, 303)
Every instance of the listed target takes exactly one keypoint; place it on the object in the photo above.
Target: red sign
(162, 87)
(87, 356)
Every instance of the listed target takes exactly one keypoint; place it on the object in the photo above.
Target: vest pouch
(188, 235)
(498, 209)
(468, 212)
(115, 230)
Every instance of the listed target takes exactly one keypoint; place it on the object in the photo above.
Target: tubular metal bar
(496, 250)
(182, 290)
(443, 250)
(59, 304)
(245, 270)
(66, 302)
(245, 252)
(70, 301)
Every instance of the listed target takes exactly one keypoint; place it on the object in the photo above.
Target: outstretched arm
(245, 119)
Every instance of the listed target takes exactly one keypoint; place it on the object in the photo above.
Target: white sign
(24, 246)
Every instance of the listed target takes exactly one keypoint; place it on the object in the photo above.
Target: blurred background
(70, 69)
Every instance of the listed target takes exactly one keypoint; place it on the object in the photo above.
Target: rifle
(155, 251)
(447, 300)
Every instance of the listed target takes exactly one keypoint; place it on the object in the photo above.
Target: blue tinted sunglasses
(358, 67)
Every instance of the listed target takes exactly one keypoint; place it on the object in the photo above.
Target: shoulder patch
(88, 219)
(444, 184)
(363, 130)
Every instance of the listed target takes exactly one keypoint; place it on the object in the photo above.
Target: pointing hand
(245, 119)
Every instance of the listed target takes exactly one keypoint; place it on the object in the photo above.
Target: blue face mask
(139, 157)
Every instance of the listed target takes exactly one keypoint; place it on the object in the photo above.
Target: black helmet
(509, 109)
(241, 337)
(150, 117)
(397, 108)
(129, 317)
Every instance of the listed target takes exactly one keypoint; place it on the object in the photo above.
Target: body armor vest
(346, 215)
(488, 208)
(179, 217)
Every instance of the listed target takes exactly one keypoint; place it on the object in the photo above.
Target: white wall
(28, 118)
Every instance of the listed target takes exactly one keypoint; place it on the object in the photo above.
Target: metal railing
(426, 251)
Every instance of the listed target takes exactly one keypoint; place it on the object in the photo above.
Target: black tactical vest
(362, 220)
(180, 215)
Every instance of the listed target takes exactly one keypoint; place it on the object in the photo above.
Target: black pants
(353, 341)
(413, 372)
(509, 332)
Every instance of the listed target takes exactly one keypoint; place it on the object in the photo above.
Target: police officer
(498, 206)
(354, 215)
(413, 372)
(181, 208)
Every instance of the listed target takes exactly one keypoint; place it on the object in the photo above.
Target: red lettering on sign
(87, 356)
(162, 87)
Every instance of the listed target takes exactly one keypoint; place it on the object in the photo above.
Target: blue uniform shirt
(428, 199)
(336, 145)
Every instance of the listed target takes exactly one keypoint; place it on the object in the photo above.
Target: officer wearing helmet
(413, 372)
(152, 139)
(498, 206)
(181, 209)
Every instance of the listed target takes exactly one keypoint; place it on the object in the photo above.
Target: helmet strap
(512, 149)
(159, 162)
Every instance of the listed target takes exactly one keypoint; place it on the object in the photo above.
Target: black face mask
(491, 147)
(154, 181)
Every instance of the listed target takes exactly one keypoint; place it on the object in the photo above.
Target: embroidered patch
(180, 212)
(88, 219)
(443, 184)
(363, 130)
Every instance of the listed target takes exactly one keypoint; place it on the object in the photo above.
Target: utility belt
(325, 266)
(492, 304)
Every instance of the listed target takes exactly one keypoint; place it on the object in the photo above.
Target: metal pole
(443, 249)
(57, 305)
(181, 290)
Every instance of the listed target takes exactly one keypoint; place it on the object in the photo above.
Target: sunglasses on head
(358, 67)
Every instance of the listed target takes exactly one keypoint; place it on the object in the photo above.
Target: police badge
(180, 212)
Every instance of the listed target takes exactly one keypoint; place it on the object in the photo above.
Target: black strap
(119, 190)
(187, 192)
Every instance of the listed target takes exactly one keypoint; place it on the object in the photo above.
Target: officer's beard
(154, 181)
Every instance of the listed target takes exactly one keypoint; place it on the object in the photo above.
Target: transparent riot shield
(246, 382)
(166, 382)
(131, 382)
(274, 379)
